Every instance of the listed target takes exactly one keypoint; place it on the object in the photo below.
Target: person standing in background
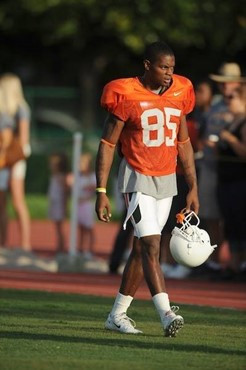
(87, 187)
(57, 196)
(228, 79)
(200, 114)
(204, 97)
(231, 150)
(16, 107)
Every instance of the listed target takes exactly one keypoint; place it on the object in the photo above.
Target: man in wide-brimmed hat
(228, 78)
(228, 72)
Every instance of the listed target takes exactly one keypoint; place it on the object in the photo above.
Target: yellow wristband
(101, 190)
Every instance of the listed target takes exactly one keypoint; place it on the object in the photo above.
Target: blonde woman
(16, 107)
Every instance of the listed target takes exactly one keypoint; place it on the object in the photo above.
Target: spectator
(87, 187)
(16, 107)
(57, 195)
(204, 96)
(232, 180)
(228, 79)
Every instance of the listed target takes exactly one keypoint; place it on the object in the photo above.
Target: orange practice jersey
(149, 138)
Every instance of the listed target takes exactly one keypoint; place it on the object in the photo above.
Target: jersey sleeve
(113, 100)
(189, 101)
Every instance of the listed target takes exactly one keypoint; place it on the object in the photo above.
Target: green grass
(41, 330)
(38, 207)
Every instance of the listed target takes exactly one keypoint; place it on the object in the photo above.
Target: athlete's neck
(149, 86)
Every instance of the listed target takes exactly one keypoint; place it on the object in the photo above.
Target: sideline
(214, 294)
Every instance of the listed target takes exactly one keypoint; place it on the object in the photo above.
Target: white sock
(121, 304)
(161, 302)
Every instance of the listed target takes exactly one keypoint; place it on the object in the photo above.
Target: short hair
(60, 160)
(152, 51)
(205, 81)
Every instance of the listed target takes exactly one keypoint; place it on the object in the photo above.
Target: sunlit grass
(63, 331)
(38, 207)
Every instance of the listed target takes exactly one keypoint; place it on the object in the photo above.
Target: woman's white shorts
(18, 170)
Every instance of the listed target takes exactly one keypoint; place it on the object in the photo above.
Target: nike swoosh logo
(177, 93)
(117, 326)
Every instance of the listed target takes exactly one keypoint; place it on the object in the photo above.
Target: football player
(146, 119)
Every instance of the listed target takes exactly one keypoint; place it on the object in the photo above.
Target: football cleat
(172, 322)
(121, 323)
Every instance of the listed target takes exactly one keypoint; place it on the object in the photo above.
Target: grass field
(38, 207)
(64, 331)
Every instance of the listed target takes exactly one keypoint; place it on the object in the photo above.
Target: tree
(91, 41)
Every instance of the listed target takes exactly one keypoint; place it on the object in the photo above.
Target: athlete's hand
(103, 208)
(192, 201)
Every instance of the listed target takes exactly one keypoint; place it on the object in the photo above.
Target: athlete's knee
(151, 246)
(136, 249)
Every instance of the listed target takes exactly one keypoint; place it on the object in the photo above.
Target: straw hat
(228, 72)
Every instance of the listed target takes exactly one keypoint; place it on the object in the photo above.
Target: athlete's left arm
(186, 157)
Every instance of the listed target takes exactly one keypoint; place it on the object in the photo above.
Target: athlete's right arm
(111, 133)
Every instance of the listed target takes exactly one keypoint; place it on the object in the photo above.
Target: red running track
(219, 294)
(43, 238)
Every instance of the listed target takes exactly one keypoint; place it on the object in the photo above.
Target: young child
(87, 186)
(57, 195)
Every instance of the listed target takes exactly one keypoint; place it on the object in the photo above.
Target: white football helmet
(189, 245)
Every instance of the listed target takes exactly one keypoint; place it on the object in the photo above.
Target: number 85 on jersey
(157, 130)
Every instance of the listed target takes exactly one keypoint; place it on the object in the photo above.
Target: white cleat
(172, 322)
(121, 323)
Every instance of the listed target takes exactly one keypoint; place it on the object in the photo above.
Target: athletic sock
(121, 304)
(162, 304)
